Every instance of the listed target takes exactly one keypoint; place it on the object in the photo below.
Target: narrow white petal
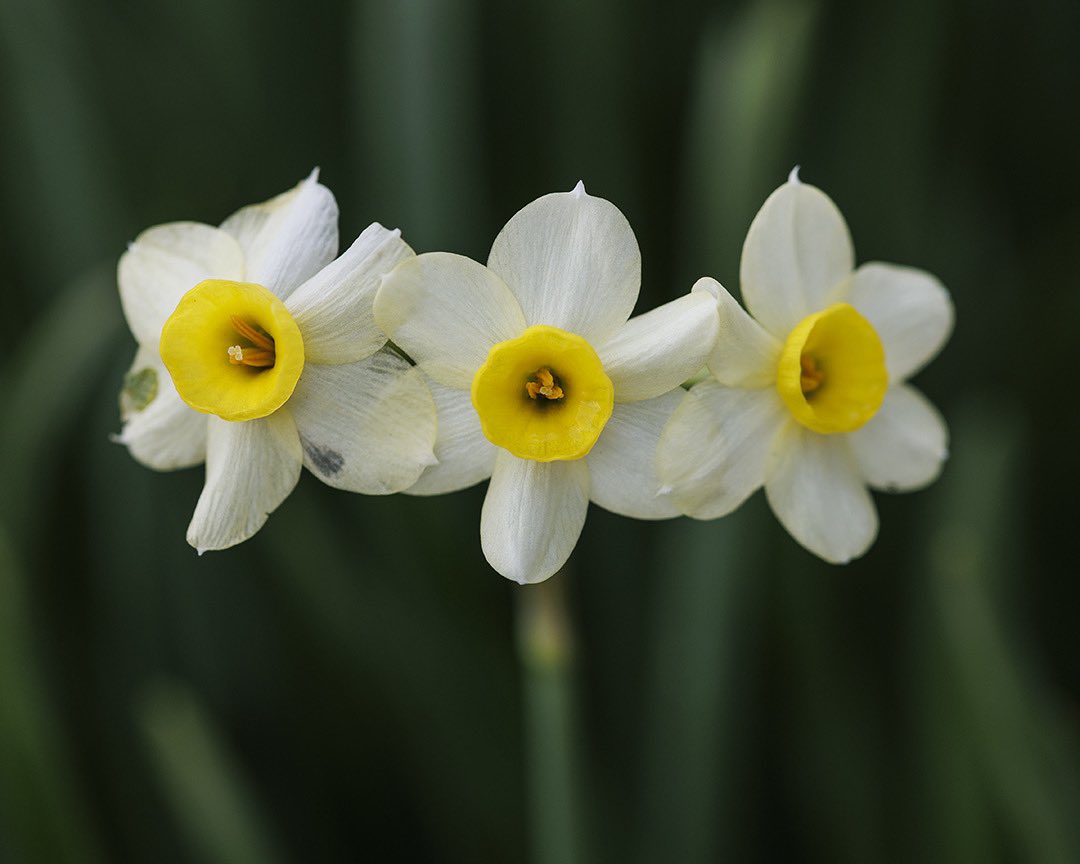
(911, 311)
(572, 261)
(365, 427)
(164, 433)
(251, 467)
(446, 311)
(796, 258)
(815, 490)
(333, 309)
(533, 515)
(655, 352)
(622, 464)
(745, 354)
(904, 445)
(289, 238)
(714, 452)
(163, 264)
(465, 455)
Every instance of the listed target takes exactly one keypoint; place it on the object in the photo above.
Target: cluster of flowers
(260, 350)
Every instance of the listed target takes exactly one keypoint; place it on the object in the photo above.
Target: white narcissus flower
(808, 397)
(540, 380)
(258, 352)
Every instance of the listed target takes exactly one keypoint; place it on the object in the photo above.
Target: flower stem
(545, 649)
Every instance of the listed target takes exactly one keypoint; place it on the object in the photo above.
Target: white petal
(572, 261)
(533, 515)
(446, 311)
(911, 311)
(655, 352)
(367, 426)
(251, 467)
(165, 434)
(289, 238)
(465, 455)
(333, 309)
(904, 444)
(163, 264)
(714, 452)
(815, 490)
(622, 464)
(745, 353)
(796, 258)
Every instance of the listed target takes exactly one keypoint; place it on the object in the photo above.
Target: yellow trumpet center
(543, 395)
(831, 373)
(232, 349)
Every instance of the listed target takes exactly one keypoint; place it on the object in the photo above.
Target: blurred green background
(351, 684)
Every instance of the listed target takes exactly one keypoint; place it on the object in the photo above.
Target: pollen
(543, 383)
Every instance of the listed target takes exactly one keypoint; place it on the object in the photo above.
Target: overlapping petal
(465, 456)
(814, 487)
(655, 352)
(796, 259)
(533, 515)
(367, 426)
(910, 310)
(289, 238)
(163, 264)
(714, 453)
(903, 447)
(572, 261)
(622, 464)
(446, 311)
(251, 467)
(333, 309)
(165, 434)
(745, 354)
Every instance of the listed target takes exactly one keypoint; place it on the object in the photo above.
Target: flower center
(543, 395)
(831, 373)
(232, 349)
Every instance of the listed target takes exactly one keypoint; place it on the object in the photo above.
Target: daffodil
(540, 380)
(258, 353)
(809, 396)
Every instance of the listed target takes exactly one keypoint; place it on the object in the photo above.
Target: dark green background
(346, 686)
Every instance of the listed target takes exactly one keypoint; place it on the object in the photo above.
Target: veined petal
(533, 515)
(160, 431)
(572, 261)
(910, 310)
(251, 467)
(796, 257)
(365, 427)
(904, 445)
(165, 262)
(333, 309)
(622, 464)
(816, 491)
(713, 454)
(446, 312)
(746, 353)
(655, 352)
(465, 456)
(289, 238)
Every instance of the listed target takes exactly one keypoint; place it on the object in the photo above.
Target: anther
(543, 385)
(261, 356)
(811, 377)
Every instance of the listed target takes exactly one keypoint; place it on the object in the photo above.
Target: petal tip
(579, 190)
(793, 177)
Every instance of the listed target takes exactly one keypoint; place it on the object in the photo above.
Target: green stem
(545, 648)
